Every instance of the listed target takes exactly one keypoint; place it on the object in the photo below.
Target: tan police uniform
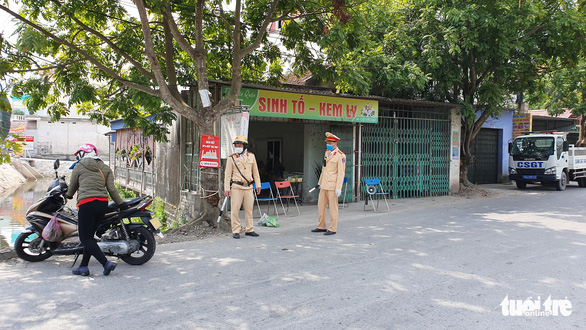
(241, 192)
(332, 178)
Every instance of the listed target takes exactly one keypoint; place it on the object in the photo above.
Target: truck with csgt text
(546, 159)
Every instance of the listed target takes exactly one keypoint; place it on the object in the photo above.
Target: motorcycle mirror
(56, 164)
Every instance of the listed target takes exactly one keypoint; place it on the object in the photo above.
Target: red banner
(209, 151)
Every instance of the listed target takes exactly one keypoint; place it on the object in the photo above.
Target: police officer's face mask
(239, 150)
(329, 147)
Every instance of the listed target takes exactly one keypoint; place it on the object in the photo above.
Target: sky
(7, 26)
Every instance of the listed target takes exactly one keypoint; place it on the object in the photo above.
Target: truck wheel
(521, 184)
(562, 182)
(581, 182)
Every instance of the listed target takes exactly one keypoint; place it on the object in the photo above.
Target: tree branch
(226, 24)
(262, 30)
(122, 53)
(478, 123)
(83, 53)
(165, 93)
(167, 15)
(169, 60)
(44, 68)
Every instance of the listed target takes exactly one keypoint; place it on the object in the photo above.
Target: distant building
(47, 139)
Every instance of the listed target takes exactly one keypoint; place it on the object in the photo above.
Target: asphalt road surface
(431, 263)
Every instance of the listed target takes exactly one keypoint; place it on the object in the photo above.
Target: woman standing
(93, 180)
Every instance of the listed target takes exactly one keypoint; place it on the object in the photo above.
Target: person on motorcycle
(93, 181)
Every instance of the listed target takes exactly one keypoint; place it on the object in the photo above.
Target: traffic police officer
(330, 182)
(241, 173)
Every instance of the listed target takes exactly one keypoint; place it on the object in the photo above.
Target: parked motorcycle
(127, 234)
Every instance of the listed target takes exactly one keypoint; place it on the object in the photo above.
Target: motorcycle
(127, 234)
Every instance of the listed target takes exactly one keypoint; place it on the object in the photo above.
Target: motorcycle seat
(112, 206)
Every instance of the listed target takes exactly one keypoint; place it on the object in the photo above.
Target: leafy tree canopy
(474, 53)
(116, 58)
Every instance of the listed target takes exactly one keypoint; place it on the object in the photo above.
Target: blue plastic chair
(374, 190)
(345, 190)
(271, 198)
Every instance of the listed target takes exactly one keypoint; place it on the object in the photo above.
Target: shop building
(411, 146)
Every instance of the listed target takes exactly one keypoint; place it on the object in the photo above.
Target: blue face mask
(329, 147)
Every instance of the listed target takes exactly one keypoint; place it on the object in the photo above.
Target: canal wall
(9, 178)
(19, 170)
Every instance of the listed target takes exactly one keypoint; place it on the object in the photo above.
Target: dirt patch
(193, 234)
(474, 191)
(7, 253)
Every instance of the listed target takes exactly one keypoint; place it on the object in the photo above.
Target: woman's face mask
(329, 147)
(239, 150)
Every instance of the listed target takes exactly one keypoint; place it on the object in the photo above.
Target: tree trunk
(466, 156)
(582, 141)
(208, 180)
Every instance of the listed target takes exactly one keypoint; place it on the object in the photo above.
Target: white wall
(65, 136)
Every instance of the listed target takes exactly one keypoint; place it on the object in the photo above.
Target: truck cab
(546, 159)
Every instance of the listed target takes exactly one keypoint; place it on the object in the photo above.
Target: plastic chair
(345, 190)
(375, 189)
(271, 198)
(284, 185)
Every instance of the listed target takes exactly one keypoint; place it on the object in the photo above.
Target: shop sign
(264, 103)
(29, 143)
(209, 151)
(522, 124)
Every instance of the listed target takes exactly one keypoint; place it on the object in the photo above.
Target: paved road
(444, 262)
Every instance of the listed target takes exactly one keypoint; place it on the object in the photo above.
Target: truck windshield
(533, 147)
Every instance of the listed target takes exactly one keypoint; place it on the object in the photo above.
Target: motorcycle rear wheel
(26, 247)
(147, 247)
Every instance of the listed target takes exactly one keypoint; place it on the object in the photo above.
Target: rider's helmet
(86, 149)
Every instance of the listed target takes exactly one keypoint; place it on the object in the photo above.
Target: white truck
(546, 159)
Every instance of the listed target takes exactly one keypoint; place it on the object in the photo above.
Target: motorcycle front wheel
(28, 247)
(147, 246)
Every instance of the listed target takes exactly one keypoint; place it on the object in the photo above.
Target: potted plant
(135, 155)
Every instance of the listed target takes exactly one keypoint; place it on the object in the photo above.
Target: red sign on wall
(209, 151)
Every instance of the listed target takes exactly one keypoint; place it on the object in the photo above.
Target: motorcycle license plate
(156, 223)
(534, 177)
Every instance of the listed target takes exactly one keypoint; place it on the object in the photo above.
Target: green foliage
(92, 56)
(474, 53)
(158, 210)
(124, 193)
(562, 88)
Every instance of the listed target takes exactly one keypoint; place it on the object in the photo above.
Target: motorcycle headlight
(512, 170)
(550, 170)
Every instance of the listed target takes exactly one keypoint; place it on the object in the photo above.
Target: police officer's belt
(241, 183)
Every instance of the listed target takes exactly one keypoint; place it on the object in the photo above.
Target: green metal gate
(409, 151)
